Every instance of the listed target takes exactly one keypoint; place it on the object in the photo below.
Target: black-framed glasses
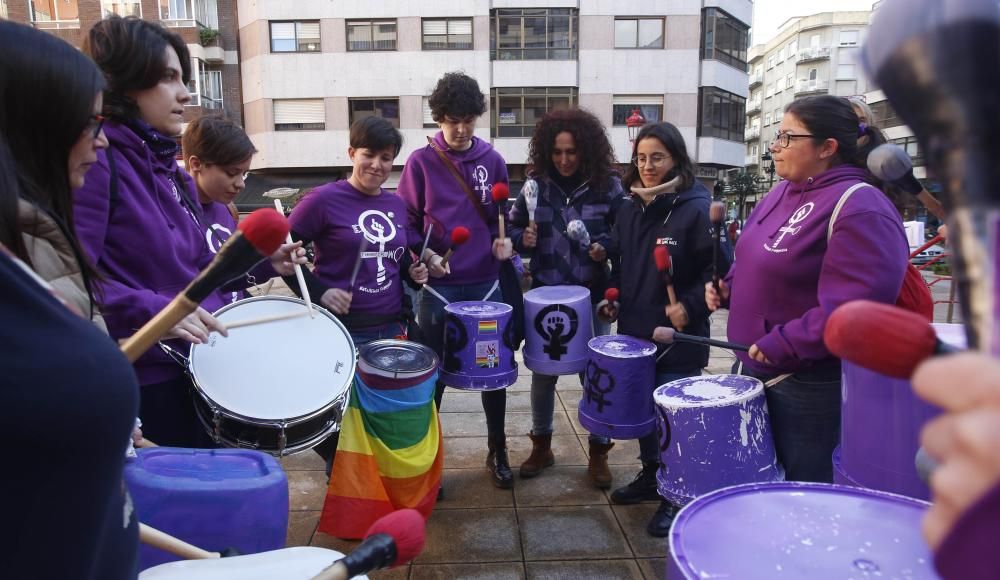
(653, 160)
(785, 139)
(95, 125)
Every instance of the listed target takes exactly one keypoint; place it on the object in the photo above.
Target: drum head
(396, 359)
(277, 370)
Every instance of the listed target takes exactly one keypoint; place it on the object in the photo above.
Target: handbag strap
(461, 182)
(840, 205)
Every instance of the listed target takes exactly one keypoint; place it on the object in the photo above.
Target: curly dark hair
(456, 95)
(597, 156)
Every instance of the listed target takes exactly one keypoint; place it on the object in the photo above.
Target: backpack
(914, 296)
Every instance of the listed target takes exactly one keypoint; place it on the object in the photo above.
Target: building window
(121, 8)
(54, 13)
(639, 32)
(781, 55)
(205, 86)
(447, 33)
(724, 38)
(516, 110)
(386, 108)
(779, 85)
(790, 80)
(3, 9)
(189, 13)
(885, 115)
(848, 38)
(912, 148)
(299, 115)
(651, 108)
(533, 34)
(767, 119)
(770, 62)
(845, 71)
(722, 114)
(295, 36)
(371, 35)
(428, 117)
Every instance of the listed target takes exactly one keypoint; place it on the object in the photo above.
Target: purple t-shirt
(219, 227)
(338, 218)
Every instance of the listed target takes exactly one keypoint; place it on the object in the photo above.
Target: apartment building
(810, 55)
(207, 26)
(312, 68)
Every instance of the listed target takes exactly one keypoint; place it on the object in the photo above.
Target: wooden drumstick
(164, 541)
(298, 268)
(500, 195)
(264, 319)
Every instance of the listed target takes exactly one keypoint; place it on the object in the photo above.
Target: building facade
(312, 68)
(810, 55)
(208, 27)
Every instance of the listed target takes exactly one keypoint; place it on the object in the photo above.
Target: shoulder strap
(840, 204)
(461, 182)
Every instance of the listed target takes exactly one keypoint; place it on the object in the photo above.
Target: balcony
(807, 87)
(813, 53)
(751, 161)
(753, 106)
(751, 133)
(756, 79)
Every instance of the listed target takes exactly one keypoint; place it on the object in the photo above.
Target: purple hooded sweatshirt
(787, 280)
(433, 196)
(969, 551)
(219, 227)
(147, 246)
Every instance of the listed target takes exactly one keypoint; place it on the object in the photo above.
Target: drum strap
(444, 300)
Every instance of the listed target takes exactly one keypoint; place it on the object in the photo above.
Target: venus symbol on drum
(478, 346)
(558, 323)
(714, 433)
(617, 386)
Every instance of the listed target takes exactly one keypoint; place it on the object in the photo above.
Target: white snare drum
(279, 387)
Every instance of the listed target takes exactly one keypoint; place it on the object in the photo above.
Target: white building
(310, 68)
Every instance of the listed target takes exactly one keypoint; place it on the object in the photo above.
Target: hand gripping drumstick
(501, 193)
(298, 268)
(257, 237)
(459, 236)
(391, 541)
(530, 192)
(662, 257)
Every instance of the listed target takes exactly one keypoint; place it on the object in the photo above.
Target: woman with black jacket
(667, 207)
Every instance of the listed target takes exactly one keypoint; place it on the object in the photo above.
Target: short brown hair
(215, 140)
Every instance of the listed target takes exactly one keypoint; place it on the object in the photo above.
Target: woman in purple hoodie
(794, 267)
(435, 199)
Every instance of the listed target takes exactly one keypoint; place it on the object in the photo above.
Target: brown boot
(597, 467)
(541, 455)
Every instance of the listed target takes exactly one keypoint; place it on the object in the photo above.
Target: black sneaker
(659, 525)
(642, 488)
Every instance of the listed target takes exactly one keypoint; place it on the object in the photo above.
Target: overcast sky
(770, 14)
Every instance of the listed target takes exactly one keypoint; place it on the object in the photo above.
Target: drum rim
(288, 421)
(584, 294)
(368, 367)
(689, 510)
(504, 310)
(757, 390)
(609, 337)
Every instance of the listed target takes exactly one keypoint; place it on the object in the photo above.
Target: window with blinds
(299, 36)
(447, 33)
(299, 115)
(371, 35)
(428, 116)
(622, 107)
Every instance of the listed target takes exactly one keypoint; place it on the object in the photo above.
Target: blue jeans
(430, 316)
(543, 394)
(363, 336)
(649, 445)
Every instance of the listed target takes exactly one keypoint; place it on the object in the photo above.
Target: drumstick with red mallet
(391, 541)
(610, 299)
(716, 213)
(459, 236)
(257, 237)
(501, 193)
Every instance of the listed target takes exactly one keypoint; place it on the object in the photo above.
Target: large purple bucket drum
(880, 425)
(818, 531)
(478, 346)
(557, 326)
(617, 384)
(714, 432)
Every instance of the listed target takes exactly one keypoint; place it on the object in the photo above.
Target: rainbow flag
(487, 327)
(389, 455)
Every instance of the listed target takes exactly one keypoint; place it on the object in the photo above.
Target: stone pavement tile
(472, 488)
(653, 568)
(466, 536)
(566, 448)
(572, 533)
(306, 490)
(569, 383)
(474, 424)
(401, 573)
(633, 519)
(523, 382)
(625, 451)
(558, 486)
(308, 460)
(301, 526)
(465, 452)
(570, 400)
(594, 569)
(499, 571)
(456, 401)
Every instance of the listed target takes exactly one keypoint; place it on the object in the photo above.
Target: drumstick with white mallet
(576, 230)
(501, 193)
(459, 236)
(303, 289)
(257, 237)
(530, 192)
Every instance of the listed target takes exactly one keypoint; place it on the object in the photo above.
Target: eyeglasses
(652, 161)
(94, 125)
(785, 139)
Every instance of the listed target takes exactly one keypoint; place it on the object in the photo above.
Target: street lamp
(634, 122)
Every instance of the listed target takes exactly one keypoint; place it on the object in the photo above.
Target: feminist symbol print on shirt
(482, 176)
(799, 215)
(378, 229)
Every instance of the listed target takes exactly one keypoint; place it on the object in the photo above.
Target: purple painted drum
(880, 423)
(714, 432)
(557, 326)
(478, 346)
(617, 386)
(766, 531)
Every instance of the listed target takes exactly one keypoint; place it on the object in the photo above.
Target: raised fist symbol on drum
(599, 383)
(557, 325)
(375, 233)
